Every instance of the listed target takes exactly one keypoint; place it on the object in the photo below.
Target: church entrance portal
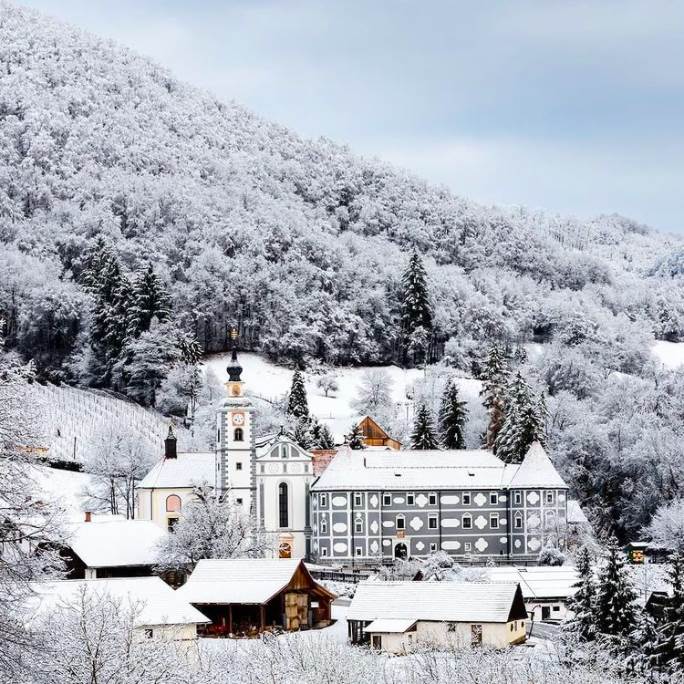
(400, 551)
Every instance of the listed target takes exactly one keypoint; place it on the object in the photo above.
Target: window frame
(493, 498)
(238, 434)
(464, 496)
(400, 518)
(358, 500)
(358, 523)
(517, 498)
(410, 499)
(518, 519)
(432, 499)
(469, 518)
(358, 552)
(384, 499)
(431, 519)
(467, 546)
(324, 526)
(283, 505)
(494, 518)
(433, 547)
(550, 497)
(238, 465)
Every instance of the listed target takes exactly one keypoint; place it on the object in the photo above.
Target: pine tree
(297, 404)
(524, 423)
(149, 300)
(494, 383)
(615, 609)
(302, 434)
(452, 417)
(423, 436)
(321, 437)
(582, 603)
(669, 651)
(355, 437)
(416, 310)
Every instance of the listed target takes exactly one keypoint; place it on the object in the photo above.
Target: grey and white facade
(372, 507)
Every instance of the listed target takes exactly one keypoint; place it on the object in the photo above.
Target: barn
(247, 596)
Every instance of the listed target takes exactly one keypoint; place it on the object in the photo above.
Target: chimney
(88, 516)
(170, 444)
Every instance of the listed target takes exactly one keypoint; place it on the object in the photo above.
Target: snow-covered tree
(453, 414)
(327, 383)
(494, 385)
(297, 404)
(416, 309)
(615, 595)
(423, 436)
(667, 526)
(551, 555)
(321, 437)
(374, 393)
(148, 302)
(583, 602)
(355, 437)
(524, 424)
(669, 649)
(209, 528)
(302, 433)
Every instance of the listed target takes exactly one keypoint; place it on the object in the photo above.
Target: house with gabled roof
(396, 616)
(376, 436)
(247, 596)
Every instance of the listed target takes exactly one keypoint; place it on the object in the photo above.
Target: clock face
(238, 418)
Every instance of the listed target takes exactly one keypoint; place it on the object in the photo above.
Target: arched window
(173, 503)
(283, 505)
(238, 435)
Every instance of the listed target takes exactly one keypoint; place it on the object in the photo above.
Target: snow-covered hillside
(70, 419)
(670, 354)
(269, 381)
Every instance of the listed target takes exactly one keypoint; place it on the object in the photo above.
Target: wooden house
(248, 596)
(375, 436)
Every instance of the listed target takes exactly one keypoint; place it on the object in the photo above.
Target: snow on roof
(154, 601)
(432, 601)
(452, 469)
(238, 580)
(66, 487)
(388, 626)
(116, 542)
(576, 514)
(538, 582)
(536, 470)
(187, 470)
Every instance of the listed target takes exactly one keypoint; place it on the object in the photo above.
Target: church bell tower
(235, 447)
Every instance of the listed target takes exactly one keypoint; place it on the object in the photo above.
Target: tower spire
(234, 368)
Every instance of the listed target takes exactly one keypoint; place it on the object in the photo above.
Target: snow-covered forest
(302, 244)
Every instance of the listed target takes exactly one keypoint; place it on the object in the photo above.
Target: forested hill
(302, 242)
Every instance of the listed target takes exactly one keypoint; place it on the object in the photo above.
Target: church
(365, 506)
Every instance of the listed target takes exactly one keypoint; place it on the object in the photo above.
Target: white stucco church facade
(269, 477)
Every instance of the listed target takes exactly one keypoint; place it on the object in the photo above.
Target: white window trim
(324, 501)
(469, 518)
(467, 546)
(403, 522)
(432, 496)
(433, 517)
(413, 499)
(358, 499)
(494, 517)
(358, 551)
(463, 498)
(384, 499)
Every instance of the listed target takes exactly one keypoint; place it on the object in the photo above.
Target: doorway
(546, 612)
(400, 551)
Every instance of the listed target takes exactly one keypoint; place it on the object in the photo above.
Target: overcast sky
(570, 106)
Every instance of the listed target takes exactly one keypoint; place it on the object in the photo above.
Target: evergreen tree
(615, 609)
(494, 383)
(321, 437)
(302, 434)
(416, 310)
(669, 651)
(423, 436)
(355, 437)
(452, 417)
(297, 404)
(148, 300)
(582, 603)
(524, 423)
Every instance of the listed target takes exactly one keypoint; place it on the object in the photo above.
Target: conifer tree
(297, 404)
(355, 437)
(494, 383)
(615, 609)
(582, 603)
(524, 423)
(321, 437)
(452, 417)
(302, 434)
(416, 310)
(148, 300)
(423, 436)
(669, 651)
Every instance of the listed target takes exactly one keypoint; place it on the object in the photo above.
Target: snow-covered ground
(269, 381)
(63, 487)
(670, 354)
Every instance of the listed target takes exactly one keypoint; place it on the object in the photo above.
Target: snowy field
(269, 381)
(670, 354)
(65, 488)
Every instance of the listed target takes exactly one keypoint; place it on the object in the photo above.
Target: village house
(546, 589)
(396, 616)
(111, 546)
(247, 596)
(375, 436)
(159, 611)
(371, 507)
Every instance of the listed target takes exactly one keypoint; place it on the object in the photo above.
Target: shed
(247, 596)
(394, 616)
(375, 436)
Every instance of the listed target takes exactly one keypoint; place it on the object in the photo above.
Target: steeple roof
(536, 470)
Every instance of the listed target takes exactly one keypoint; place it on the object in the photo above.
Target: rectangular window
(517, 498)
(410, 500)
(467, 522)
(263, 468)
(324, 552)
(432, 499)
(517, 523)
(494, 521)
(466, 498)
(386, 499)
(358, 526)
(433, 547)
(324, 500)
(432, 522)
(149, 633)
(324, 526)
(401, 523)
(238, 502)
(493, 498)
(466, 546)
(238, 465)
(358, 500)
(358, 551)
(549, 497)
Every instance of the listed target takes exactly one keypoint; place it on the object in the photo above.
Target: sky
(573, 107)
